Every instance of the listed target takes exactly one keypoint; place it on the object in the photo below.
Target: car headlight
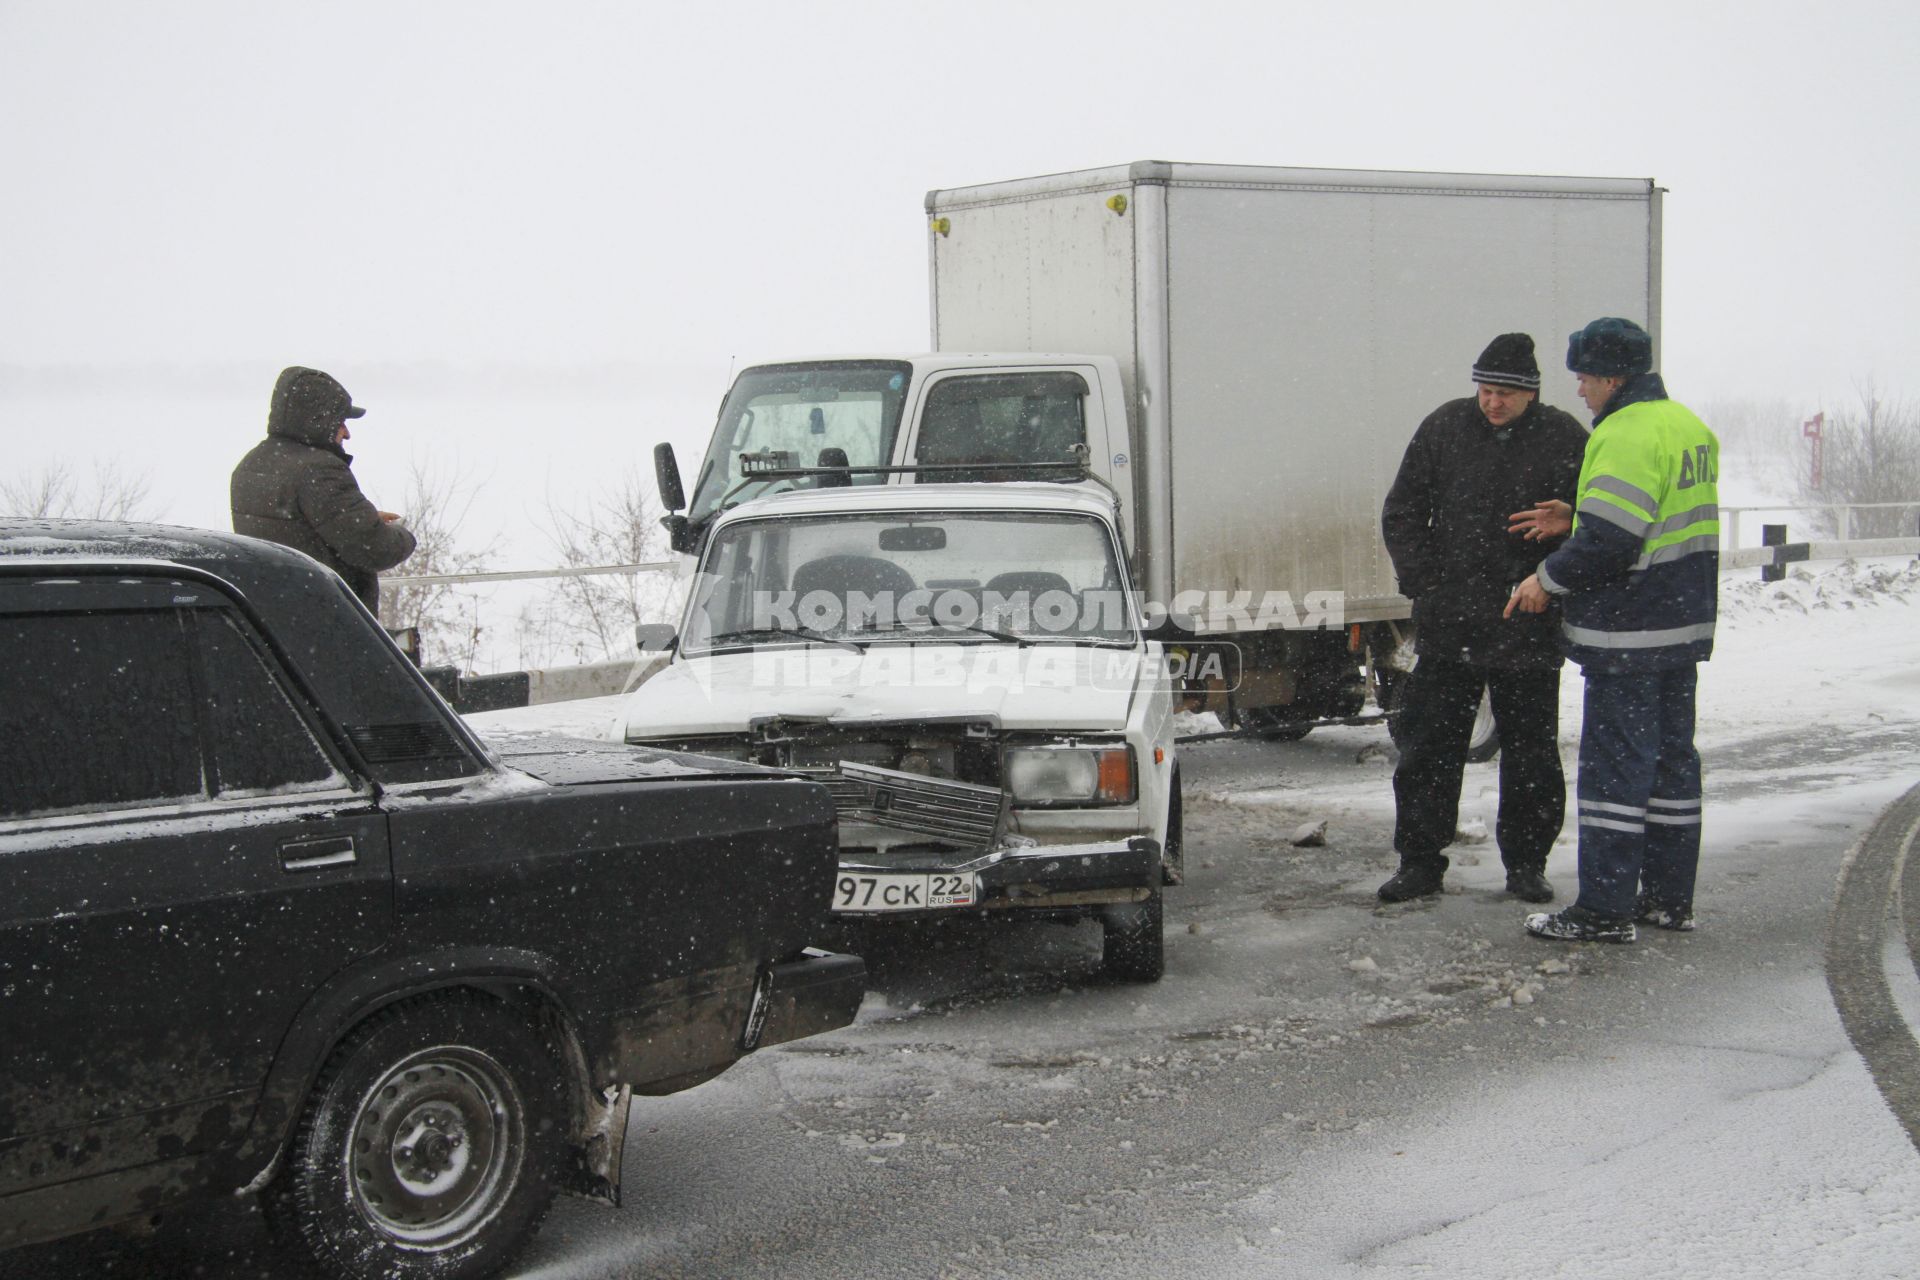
(1070, 775)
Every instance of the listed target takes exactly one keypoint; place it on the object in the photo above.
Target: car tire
(1133, 945)
(429, 1145)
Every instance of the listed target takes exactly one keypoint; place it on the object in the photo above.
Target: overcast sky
(669, 187)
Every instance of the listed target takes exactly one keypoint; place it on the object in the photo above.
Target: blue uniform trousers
(1639, 793)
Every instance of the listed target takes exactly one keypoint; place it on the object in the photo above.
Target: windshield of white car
(913, 577)
(796, 411)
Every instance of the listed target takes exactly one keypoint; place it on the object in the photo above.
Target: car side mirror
(666, 474)
(654, 637)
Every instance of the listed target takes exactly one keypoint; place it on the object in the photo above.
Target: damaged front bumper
(1029, 877)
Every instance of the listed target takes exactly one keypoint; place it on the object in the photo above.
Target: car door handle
(311, 855)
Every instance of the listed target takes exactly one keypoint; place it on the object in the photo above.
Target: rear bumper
(813, 992)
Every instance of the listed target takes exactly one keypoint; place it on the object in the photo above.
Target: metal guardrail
(1840, 512)
(1796, 552)
(523, 575)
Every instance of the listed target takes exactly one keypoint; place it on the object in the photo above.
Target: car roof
(925, 361)
(1071, 499)
(45, 541)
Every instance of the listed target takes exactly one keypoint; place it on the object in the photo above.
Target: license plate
(853, 892)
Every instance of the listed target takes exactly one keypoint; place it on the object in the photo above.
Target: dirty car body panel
(236, 824)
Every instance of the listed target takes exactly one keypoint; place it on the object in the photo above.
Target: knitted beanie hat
(1508, 362)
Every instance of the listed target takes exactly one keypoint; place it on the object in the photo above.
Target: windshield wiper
(1007, 636)
(750, 634)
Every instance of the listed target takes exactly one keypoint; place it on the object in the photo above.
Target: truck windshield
(1030, 577)
(796, 411)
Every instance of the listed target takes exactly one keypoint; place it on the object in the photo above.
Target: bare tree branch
(52, 491)
(438, 500)
(592, 619)
(1872, 454)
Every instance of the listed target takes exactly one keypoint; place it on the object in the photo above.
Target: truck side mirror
(833, 458)
(666, 473)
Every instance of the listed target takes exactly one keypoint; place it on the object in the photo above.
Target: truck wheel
(428, 1147)
(1484, 745)
(1273, 725)
(1134, 947)
(1173, 855)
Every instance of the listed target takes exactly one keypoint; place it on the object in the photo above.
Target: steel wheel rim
(436, 1146)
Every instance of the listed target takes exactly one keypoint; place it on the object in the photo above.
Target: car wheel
(1133, 947)
(428, 1147)
(1173, 854)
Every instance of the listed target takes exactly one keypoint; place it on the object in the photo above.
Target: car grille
(957, 811)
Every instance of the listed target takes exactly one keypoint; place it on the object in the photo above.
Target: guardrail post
(1733, 527)
(1773, 535)
(1843, 523)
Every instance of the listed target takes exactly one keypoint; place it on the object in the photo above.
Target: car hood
(580, 761)
(1040, 687)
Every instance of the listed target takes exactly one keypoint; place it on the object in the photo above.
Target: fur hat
(1610, 348)
(1508, 362)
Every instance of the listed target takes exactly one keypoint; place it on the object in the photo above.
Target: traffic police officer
(1637, 582)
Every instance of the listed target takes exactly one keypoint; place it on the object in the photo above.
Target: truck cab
(961, 417)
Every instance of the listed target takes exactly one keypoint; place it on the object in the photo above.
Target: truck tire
(1133, 946)
(1273, 725)
(429, 1146)
(1484, 745)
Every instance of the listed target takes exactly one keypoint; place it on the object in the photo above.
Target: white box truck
(1252, 350)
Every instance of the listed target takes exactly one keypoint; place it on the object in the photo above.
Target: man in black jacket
(296, 487)
(1472, 464)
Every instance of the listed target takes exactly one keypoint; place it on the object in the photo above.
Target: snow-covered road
(1323, 1087)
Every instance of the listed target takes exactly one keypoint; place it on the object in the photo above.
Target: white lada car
(964, 665)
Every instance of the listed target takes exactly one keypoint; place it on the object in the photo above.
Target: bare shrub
(591, 618)
(437, 503)
(53, 490)
(1872, 454)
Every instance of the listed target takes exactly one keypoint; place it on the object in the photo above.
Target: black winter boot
(1529, 885)
(1413, 880)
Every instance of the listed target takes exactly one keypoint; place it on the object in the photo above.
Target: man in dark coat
(1471, 465)
(296, 487)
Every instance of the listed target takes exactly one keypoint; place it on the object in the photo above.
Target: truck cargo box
(1282, 331)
